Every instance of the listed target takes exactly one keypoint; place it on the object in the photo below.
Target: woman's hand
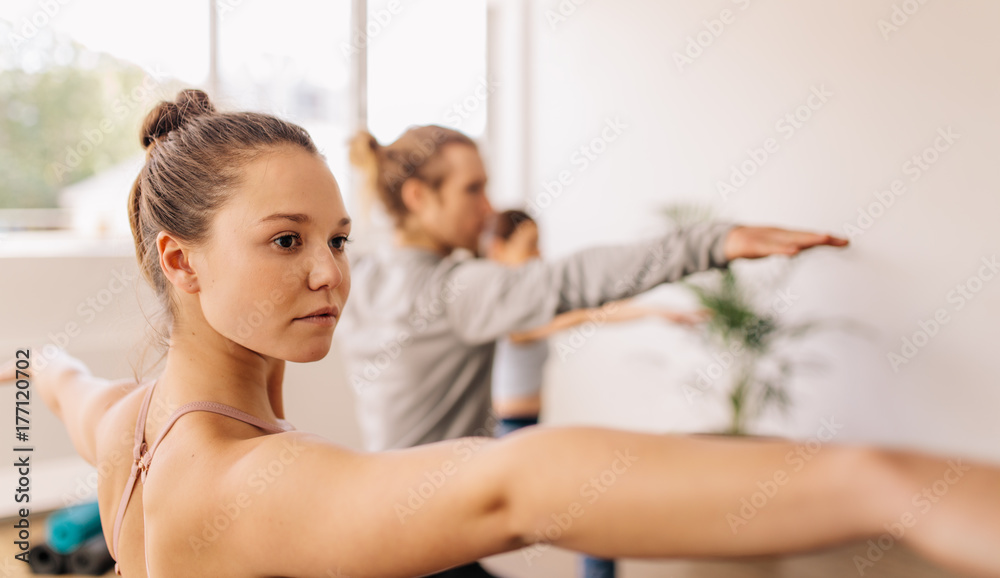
(757, 242)
(8, 371)
(688, 318)
(58, 369)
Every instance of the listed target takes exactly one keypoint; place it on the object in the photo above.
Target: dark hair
(193, 160)
(415, 154)
(504, 224)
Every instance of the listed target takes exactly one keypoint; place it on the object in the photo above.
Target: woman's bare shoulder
(207, 472)
(219, 503)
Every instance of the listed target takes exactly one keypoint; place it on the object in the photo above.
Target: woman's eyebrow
(294, 217)
(299, 218)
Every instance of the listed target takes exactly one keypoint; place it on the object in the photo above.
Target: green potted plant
(759, 370)
(753, 339)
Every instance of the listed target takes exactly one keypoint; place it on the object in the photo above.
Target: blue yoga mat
(70, 527)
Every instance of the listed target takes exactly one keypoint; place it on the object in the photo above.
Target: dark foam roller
(42, 559)
(91, 559)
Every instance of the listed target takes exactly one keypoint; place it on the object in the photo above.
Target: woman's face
(521, 247)
(458, 214)
(273, 276)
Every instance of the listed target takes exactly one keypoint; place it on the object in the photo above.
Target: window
(76, 82)
(427, 66)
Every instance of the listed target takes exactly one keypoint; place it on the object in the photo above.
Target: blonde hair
(415, 154)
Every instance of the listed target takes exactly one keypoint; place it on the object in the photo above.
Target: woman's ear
(413, 193)
(175, 262)
(495, 250)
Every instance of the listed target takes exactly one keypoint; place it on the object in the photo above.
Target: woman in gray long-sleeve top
(425, 314)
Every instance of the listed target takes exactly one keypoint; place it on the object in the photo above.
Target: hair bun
(168, 116)
(363, 151)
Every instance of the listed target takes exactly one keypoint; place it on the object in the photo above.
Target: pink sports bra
(142, 458)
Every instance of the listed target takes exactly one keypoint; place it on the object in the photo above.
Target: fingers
(807, 240)
(790, 249)
(757, 242)
(687, 319)
(794, 242)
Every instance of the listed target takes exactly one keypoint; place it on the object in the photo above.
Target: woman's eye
(339, 243)
(286, 241)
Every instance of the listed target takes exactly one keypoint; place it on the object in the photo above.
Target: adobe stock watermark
(582, 158)
(85, 489)
(225, 7)
(463, 109)
(420, 321)
(915, 167)
(263, 309)
(94, 136)
(959, 297)
(464, 449)
(711, 31)
(655, 259)
(899, 16)
(31, 25)
(787, 127)
(257, 483)
(377, 21)
(578, 335)
(707, 376)
(797, 459)
(592, 490)
(562, 12)
(87, 310)
(922, 502)
(407, 167)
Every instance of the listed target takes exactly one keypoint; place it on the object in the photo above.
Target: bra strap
(138, 450)
(142, 456)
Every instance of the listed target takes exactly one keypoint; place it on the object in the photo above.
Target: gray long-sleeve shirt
(419, 329)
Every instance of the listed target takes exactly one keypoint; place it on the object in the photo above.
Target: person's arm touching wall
(489, 300)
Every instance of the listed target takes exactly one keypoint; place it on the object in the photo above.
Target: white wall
(888, 97)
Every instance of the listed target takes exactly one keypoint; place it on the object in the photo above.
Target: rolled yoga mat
(70, 527)
(91, 559)
(44, 560)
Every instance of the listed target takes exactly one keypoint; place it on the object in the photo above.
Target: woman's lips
(323, 320)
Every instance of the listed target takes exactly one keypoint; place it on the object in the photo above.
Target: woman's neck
(418, 238)
(227, 373)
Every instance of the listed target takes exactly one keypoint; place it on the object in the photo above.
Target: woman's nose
(324, 271)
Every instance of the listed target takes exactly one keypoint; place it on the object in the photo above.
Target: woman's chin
(308, 353)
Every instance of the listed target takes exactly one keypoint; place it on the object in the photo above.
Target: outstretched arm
(614, 312)
(76, 397)
(299, 505)
(603, 492)
(485, 300)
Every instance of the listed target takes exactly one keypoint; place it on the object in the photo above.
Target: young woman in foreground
(240, 228)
